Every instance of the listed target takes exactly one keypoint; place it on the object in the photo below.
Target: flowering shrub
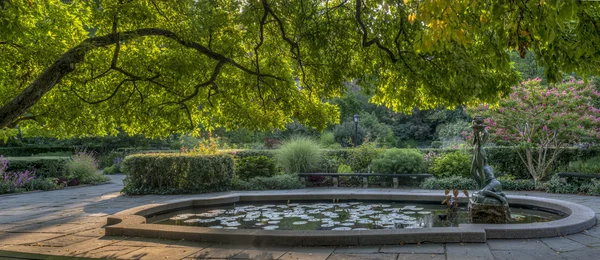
(19, 181)
(14, 181)
(84, 167)
(543, 121)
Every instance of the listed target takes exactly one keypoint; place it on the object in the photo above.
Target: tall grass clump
(84, 167)
(299, 154)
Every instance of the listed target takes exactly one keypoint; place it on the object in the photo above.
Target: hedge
(53, 167)
(277, 182)
(35, 150)
(177, 173)
(505, 160)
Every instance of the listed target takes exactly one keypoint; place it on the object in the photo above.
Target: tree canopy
(157, 66)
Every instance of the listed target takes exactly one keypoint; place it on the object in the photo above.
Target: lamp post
(355, 129)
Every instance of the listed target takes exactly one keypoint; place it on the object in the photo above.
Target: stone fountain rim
(131, 222)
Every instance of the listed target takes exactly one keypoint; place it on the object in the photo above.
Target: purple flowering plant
(14, 181)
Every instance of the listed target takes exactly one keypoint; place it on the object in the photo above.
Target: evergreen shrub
(277, 182)
(177, 173)
(399, 161)
(255, 166)
(361, 158)
(44, 167)
(452, 164)
(455, 182)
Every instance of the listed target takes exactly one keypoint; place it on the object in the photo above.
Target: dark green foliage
(277, 182)
(327, 165)
(45, 184)
(396, 160)
(36, 150)
(255, 166)
(451, 183)
(436, 144)
(573, 185)
(505, 160)
(452, 164)
(591, 166)
(346, 133)
(591, 187)
(177, 173)
(115, 157)
(246, 153)
(113, 169)
(44, 167)
(558, 185)
(508, 184)
(360, 159)
(33, 150)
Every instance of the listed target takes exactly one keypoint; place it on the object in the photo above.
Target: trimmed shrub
(43, 167)
(360, 159)
(451, 183)
(177, 173)
(241, 154)
(255, 166)
(298, 155)
(277, 182)
(35, 150)
(451, 164)
(399, 161)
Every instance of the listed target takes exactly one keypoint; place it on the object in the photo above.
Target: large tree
(157, 66)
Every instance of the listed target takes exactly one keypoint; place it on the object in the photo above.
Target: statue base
(488, 210)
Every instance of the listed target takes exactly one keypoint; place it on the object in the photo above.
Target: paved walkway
(69, 223)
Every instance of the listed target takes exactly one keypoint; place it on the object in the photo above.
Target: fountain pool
(345, 215)
(371, 217)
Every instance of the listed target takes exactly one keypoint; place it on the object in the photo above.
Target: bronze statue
(481, 172)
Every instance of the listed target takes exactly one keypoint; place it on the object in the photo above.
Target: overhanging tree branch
(65, 64)
(376, 41)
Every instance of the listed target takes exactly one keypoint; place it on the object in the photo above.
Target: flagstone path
(70, 222)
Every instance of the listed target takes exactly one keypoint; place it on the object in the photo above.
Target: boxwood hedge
(177, 173)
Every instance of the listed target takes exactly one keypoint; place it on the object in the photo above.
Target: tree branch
(376, 41)
(65, 64)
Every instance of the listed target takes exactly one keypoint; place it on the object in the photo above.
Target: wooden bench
(365, 177)
(578, 175)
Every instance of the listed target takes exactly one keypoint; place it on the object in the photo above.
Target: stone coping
(132, 222)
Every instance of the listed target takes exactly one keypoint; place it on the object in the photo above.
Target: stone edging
(132, 222)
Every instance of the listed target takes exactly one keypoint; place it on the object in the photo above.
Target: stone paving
(69, 223)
